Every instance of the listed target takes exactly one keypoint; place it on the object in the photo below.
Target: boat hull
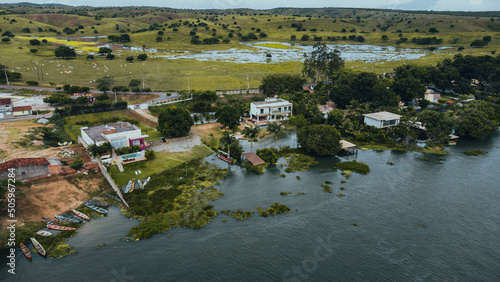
(58, 227)
(43, 233)
(25, 250)
(81, 215)
(39, 248)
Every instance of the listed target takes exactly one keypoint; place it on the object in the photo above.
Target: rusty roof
(5, 101)
(22, 162)
(253, 158)
(21, 108)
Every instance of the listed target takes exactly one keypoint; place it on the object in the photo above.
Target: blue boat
(67, 219)
(72, 217)
(97, 209)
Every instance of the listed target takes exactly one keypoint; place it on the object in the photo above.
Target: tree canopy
(319, 139)
(228, 114)
(175, 122)
(65, 52)
(321, 63)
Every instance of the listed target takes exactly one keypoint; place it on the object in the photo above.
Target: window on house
(261, 111)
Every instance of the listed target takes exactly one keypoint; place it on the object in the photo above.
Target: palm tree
(275, 128)
(227, 140)
(251, 134)
(196, 119)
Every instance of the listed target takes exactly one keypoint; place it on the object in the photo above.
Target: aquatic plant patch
(273, 210)
(475, 153)
(355, 166)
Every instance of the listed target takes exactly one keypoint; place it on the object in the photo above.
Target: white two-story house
(272, 109)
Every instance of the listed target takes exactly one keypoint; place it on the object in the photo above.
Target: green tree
(102, 97)
(251, 133)
(279, 83)
(227, 140)
(437, 124)
(58, 98)
(228, 114)
(408, 88)
(134, 83)
(175, 122)
(478, 119)
(321, 62)
(319, 139)
(383, 96)
(129, 59)
(110, 56)
(65, 52)
(275, 128)
(268, 155)
(335, 118)
(142, 57)
(104, 82)
(34, 42)
(105, 51)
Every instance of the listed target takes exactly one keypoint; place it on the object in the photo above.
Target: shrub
(150, 154)
(76, 164)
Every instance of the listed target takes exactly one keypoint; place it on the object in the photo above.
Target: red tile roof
(21, 108)
(5, 101)
(22, 162)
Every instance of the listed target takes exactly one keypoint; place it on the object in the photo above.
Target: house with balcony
(271, 109)
(6, 107)
(119, 134)
(382, 119)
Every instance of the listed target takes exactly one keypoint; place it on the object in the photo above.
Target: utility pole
(115, 96)
(41, 72)
(189, 89)
(38, 74)
(248, 82)
(142, 81)
(6, 76)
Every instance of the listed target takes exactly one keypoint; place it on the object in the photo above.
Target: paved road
(26, 117)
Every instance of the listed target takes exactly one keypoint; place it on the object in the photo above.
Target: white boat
(43, 233)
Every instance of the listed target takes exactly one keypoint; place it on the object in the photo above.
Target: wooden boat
(57, 227)
(81, 215)
(43, 233)
(452, 143)
(225, 159)
(25, 250)
(97, 209)
(113, 197)
(67, 219)
(132, 186)
(72, 217)
(98, 204)
(39, 248)
(48, 219)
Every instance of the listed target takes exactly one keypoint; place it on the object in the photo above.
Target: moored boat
(127, 188)
(25, 251)
(72, 217)
(81, 215)
(113, 197)
(146, 182)
(58, 227)
(39, 248)
(43, 233)
(97, 209)
(132, 186)
(98, 204)
(225, 159)
(67, 219)
(48, 219)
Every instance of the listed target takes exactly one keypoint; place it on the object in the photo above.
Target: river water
(435, 218)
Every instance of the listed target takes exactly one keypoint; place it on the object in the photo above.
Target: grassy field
(161, 73)
(73, 129)
(162, 161)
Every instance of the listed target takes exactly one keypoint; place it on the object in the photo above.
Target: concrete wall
(27, 172)
(85, 137)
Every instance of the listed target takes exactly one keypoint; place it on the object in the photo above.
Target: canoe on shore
(58, 227)
(72, 217)
(25, 250)
(43, 233)
(81, 215)
(97, 209)
(67, 219)
(39, 248)
(225, 159)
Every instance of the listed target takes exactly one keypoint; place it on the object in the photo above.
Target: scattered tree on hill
(104, 51)
(104, 83)
(321, 62)
(90, 57)
(142, 57)
(278, 83)
(175, 122)
(34, 42)
(129, 59)
(134, 83)
(5, 39)
(65, 52)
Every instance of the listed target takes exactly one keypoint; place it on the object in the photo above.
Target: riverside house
(271, 109)
(119, 134)
(382, 119)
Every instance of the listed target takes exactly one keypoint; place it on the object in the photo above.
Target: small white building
(6, 107)
(272, 109)
(119, 134)
(431, 96)
(382, 119)
(22, 111)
